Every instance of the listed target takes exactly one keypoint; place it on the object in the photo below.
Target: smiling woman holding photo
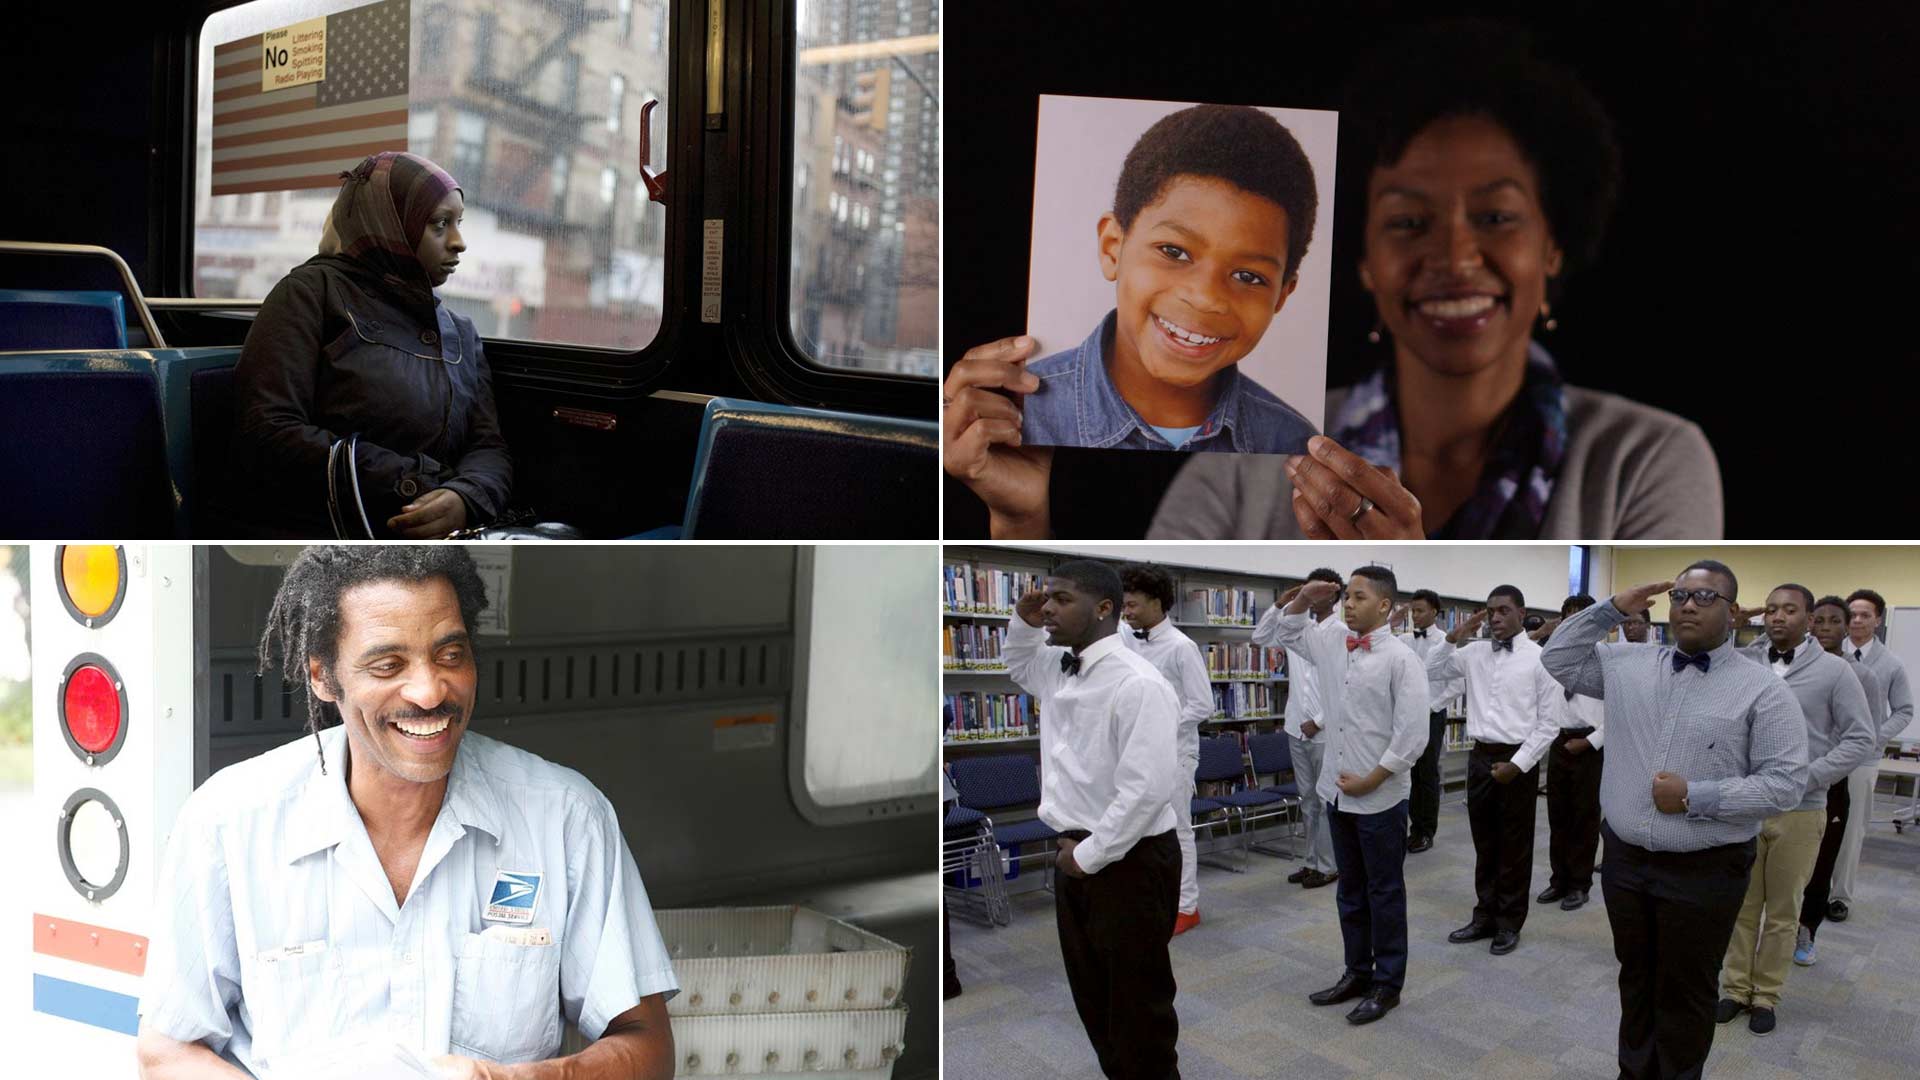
(1492, 174)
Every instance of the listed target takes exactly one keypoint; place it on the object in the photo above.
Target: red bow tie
(1356, 642)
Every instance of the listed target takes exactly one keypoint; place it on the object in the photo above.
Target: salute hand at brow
(1638, 597)
(1467, 629)
(1029, 605)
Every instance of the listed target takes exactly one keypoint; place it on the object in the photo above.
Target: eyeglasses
(1700, 597)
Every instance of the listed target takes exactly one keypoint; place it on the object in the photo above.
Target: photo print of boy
(1209, 315)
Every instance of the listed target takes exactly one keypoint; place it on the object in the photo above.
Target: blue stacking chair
(970, 866)
(1220, 764)
(1273, 756)
(1006, 782)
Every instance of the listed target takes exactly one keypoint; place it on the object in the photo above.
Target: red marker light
(91, 707)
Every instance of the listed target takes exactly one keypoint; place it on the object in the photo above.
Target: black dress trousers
(1672, 914)
(1573, 811)
(1501, 817)
(1114, 930)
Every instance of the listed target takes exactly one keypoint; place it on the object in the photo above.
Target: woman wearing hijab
(1491, 175)
(354, 341)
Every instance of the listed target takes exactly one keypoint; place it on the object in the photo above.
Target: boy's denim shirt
(1077, 405)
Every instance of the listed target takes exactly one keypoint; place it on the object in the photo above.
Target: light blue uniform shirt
(276, 930)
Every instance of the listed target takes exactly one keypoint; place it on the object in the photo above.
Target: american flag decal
(304, 136)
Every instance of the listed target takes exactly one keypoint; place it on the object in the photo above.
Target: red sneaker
(1185, 921)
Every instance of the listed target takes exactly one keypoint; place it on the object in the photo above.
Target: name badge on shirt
(515, 897)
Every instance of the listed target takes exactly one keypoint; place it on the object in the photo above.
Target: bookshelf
(1216, 608)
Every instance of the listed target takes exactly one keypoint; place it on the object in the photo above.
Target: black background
(1758, 276)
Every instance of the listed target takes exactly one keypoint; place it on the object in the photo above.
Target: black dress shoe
(1505, 942)
(1552, 893)
(1349, 987)
(1315, 879)
(1298, 875)
(1473, 931)
(1374, 1005)
(1419, 843)
(1837, 911)
(1728, 1008)
(1761, 1021)
(1576, 898)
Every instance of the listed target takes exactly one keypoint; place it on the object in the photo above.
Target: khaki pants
(1761, 951)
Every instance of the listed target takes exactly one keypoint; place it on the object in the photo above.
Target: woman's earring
(1548, 322)
(1373, 335)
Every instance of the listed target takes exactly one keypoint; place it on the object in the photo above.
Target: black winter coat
(336, 351)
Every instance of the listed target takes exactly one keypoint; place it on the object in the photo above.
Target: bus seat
(775, 471)
(196, 397)
(84, 457)
(62, 319)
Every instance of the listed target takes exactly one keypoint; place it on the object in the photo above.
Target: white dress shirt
(1580, 711)
(1174, 655)
(1442, 693)
(1374, 704)
(1303, 693)
(1107, 761)
(277, 934)
(1510, 698)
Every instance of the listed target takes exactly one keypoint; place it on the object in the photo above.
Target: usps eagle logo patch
(515, 897)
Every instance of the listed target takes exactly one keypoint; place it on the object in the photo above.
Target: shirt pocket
(506, 1000)
(300, 1007)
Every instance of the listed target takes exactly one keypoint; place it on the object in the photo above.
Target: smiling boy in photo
(1211, 217)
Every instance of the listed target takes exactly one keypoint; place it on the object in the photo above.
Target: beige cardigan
(1632, 472)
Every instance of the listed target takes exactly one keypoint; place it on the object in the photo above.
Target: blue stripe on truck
(87, 1004)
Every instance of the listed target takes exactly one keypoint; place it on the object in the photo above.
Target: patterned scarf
(379, 216)
(1511, 499)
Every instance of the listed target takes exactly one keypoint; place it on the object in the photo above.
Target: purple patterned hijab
(380, 214)
(1511, 500)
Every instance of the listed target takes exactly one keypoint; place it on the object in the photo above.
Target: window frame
(813, 811)
(762, 345)
(621, 373)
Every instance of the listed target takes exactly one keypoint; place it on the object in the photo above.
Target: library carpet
(1548, 1010)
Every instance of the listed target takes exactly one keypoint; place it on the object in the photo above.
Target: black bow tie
(1775, 656)
(1141, 634)
(1681, 660)
(1420, 634)
(1507, 644)
(1070, 663)
(1856, 654)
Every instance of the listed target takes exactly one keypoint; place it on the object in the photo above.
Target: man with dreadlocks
(409, 883)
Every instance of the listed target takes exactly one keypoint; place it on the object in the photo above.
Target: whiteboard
(1903, 640)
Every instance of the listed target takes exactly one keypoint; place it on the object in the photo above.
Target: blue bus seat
(84, 456)
(196, 400)
(779, 472)
(62, 319)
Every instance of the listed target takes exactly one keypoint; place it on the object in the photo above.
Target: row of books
(972, 647)
(980, 590)
(1224, 607)
(1242, 660)
(976, 715)
(1244, 701)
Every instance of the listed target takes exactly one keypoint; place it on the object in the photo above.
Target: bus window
(863, 617)
(535, 108)
(866, 185)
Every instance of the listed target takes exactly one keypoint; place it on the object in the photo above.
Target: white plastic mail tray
(733, 961)
(860, 1045)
